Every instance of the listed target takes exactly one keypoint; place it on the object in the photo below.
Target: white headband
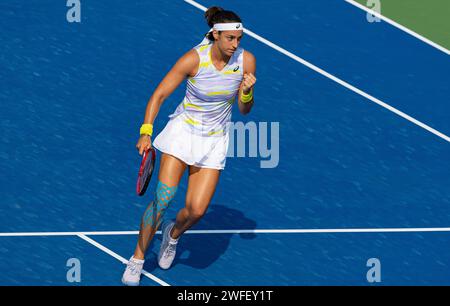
(236, 26)
(228, 26)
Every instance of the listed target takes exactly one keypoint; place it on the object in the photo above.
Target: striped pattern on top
(210, 94)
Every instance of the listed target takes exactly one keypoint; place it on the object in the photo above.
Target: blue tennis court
(350, 179)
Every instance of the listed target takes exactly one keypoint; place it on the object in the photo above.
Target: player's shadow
(201, 250)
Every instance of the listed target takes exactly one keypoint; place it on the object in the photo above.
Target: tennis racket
(145, 171)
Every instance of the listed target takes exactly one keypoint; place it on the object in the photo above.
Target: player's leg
(201, 187)
(170, 173)
(169, 176)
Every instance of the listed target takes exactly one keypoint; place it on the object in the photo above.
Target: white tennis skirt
(195, 150)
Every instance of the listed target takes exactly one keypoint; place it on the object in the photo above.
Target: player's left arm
(248, 82)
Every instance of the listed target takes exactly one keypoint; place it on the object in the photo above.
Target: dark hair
(217, 14)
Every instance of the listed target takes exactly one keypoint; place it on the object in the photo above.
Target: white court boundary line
(399, 26)
(240, 231)
(334, 78)
(83, 236)
(120, 258)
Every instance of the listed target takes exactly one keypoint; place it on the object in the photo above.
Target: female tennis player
(197, 134)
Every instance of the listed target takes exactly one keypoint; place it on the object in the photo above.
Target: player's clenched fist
(248, 82)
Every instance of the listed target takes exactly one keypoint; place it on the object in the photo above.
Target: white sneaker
(168, 247)
(132, 274)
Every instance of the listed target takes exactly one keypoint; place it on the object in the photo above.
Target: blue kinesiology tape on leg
(163, 196)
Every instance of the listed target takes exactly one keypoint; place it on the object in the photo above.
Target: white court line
(397, 25)
(244, 231)
(31, 234)
(322, 231)
(337, 80)
(120, 258)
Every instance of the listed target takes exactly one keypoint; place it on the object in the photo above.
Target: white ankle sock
(140, 261)
(171, 240)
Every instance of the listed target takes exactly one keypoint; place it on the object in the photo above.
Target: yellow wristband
(247, 98)
(147, 129)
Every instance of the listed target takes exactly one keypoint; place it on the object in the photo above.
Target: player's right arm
(186, 66)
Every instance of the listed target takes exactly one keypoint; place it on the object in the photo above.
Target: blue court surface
(354, 179)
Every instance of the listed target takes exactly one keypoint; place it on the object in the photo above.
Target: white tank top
(210, 94)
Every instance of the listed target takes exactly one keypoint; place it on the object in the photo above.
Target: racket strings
(145, 171)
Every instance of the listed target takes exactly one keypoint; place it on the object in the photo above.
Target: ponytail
(217, 14)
